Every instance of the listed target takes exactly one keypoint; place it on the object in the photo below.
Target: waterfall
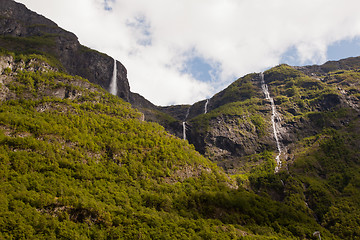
(206, 104)
(274, 119)
(184, 130)
(187, 113)
(184, 123)
(113, 84)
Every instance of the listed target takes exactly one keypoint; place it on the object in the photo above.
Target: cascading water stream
(206, 104)
(184, 130)
(274, 119)
(113, 84)
(184, 123)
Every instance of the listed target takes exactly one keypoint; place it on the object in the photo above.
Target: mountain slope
(238, 121)
(75, 157)
(24, 31)
(318, 130)
(79, 163)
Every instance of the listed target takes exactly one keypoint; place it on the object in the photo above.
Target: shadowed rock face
(238, 122)
(21, 28)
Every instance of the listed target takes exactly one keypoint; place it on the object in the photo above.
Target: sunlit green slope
(79, 163)
(319, 109)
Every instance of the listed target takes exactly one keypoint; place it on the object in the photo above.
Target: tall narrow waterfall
(113, 84)
(184, 123)
(206, 104)
(274, 119)
(184, 130)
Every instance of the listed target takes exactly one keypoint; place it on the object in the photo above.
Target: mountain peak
(24, 30)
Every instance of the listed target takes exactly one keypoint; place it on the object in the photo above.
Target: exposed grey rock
(17, 21)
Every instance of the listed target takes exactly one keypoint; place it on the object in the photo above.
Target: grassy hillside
(78, 163)
(326, 154)
(320, 136)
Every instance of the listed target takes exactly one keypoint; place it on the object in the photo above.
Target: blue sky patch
(290, 57)
(344, 49)
(338, 50)
(200, 69)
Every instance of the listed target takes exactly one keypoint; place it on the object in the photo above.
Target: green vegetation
(81, 165)
(321, 115)
(326, 164)
(35, 55)
(329, 169)
(240, 90)
(241, 109)
(281, 74)
(23, 47)
(86, 49)
(259, 123)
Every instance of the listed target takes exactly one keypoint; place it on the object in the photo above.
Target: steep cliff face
(25, 31)
(236, 125)
(237, 129)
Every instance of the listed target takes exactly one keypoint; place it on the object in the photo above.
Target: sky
(184, 51)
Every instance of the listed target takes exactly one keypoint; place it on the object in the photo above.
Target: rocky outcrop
(8, 64)
(139, 102)
(61, 88)
(22, 29)
(343, 64)
(228, 140)
(179, 112)
(237, 126)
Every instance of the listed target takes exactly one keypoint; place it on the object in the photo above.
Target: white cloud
(154, 39)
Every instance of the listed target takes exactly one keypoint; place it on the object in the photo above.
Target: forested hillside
(79, 163)
(318, 129)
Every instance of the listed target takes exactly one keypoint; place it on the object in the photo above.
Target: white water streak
(184, 123)
(187, 113)
(184, 130)
(274, 119)
(113, 84)
(206, 104)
